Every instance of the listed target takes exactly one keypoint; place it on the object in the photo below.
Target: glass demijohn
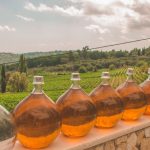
(146, 88)
(108, 103)
(133, 98)
(7, 130)
(77, 110)
(37, 119)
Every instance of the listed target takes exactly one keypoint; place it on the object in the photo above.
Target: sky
(47, 25)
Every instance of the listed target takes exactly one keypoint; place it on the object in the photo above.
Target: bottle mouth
(129, 71)
(75, 77)
(105, 75)
(38, 80)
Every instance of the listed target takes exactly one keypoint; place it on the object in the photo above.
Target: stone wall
(139, 140)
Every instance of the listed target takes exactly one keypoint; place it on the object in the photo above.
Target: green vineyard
(57, 83)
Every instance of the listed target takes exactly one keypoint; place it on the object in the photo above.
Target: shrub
(17, 82)
(82, 69)
(112, 66)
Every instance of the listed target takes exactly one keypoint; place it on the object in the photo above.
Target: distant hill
(39, 54)
(8, 57)
(11, 57)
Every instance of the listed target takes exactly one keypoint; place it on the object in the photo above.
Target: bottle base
(77, 131)
(107, 121)
(37, 142)
(147, 112)
(133, 114)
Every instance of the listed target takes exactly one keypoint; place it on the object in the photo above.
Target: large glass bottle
(133, 98)
(108, 103)
(77, 110)
(146, 88)
(37, 119)
(7, 130)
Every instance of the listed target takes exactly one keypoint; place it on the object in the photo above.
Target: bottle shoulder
(33, 101)
(103, 91)
(129, 87)
(145, 86)
(72, 95)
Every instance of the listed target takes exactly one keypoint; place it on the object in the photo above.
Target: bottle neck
(130, 78)
(75, 84)
(148, 78)
(105, 81)
(38, 89)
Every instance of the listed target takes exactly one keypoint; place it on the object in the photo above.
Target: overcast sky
(45, 25)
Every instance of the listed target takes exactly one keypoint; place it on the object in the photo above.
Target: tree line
(80, 60)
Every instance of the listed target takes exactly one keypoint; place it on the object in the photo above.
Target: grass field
(57, 83)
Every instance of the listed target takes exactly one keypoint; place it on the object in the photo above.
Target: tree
(82, 69)
(85, 52)
(22, 64)
(17, 82)
(3, 79)
(112, 66)
(71, 56)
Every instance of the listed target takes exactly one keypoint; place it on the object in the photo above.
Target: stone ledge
(98, 136)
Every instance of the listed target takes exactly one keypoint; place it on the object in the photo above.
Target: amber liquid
(146, 88)
(134, 100)
(37, 121)
(108, 105)
(77, 111)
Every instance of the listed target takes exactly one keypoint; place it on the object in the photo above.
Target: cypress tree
(22, 64)
(3, 79)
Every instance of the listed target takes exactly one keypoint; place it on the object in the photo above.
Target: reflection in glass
(37, 119)
(77, 110)
(108, 103)
(7, 130)
(133, 97)
(146, 88)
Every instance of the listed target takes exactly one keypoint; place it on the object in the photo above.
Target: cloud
(90, 8)
(70, 11)
(7, 28)
(25, 18)
(121, 15)
(40, 8)
(96, 29)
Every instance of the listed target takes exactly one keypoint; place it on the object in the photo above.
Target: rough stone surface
(139, 140)
(131, 147)
(109, 146)
(132, 139)
(101, 147)
(122, 146)
(145, 144)
(140, 136)
(147, 132)
(121, 140)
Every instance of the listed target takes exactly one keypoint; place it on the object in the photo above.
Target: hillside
(8, 57)
(11, 57)
(40, 54)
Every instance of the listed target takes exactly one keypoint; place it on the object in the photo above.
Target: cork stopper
(38, 80)
(130, 71)
(105, 75)
(149, 71)
(75, 76)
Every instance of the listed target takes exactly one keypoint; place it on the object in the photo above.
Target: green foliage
(82, 69)
(22, 64)
(112, 66)
(3, 79)
(17, 82)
